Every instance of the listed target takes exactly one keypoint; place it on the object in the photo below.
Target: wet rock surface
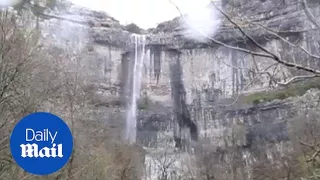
(192, 87)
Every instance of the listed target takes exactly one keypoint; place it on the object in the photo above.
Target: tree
(38, 77)
(19, 52)
(264, 52)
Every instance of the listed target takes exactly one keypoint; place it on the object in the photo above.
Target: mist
(201, 22)
(7, 3)
(149, 13)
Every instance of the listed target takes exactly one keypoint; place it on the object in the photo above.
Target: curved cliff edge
(200, 94)
(259, 18)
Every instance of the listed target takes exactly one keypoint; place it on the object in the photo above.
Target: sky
(144, 13)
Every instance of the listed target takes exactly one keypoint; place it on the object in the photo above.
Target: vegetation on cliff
(297, 89)
(37, 77)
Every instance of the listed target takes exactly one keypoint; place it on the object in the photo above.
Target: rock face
(189, 96)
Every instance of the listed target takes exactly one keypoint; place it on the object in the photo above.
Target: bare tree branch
(274, 33)
(219, 42)
(309, 14)
(298, 78)
(268, 53)
(272, 55)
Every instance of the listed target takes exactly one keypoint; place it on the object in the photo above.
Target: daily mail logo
(32, 150)
(41, 143)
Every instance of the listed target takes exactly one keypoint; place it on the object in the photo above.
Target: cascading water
(131, 116)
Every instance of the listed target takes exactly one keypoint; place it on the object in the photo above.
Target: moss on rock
(297, 89)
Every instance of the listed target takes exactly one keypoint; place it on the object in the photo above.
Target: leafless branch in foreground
(309, 14)
(267, 53)
(272, 55)
(274, 33)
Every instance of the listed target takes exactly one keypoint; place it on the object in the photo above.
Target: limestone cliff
(202, 94)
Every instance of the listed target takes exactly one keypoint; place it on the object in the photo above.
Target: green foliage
(315, 175)
(294, 90)
(51, 3)
(37, 10)
(39, 6)
(143, 103)
(133, 28)
(302, 164)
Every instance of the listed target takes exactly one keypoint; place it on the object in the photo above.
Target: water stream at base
(131, 116)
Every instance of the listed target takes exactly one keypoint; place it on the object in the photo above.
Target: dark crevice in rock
(107, 25)
(156, 119)
(126, 77)
(155, 55)
(267, 132)
(48, 16)
(182, 114)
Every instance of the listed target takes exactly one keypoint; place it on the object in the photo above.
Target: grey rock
(196, 83)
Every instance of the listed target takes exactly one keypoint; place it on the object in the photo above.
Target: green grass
(143, 103)
(298, 89)
(142, 106)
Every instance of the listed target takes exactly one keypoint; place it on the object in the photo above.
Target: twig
(219, 42)
(252, 81)
(274, 33)
(315, 154)
(309, 14)
(297, 77)
(268, 55)
(271, 55)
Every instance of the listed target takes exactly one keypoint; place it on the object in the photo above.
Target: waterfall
(131, 116)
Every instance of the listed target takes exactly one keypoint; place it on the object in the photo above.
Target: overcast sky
(145, 13)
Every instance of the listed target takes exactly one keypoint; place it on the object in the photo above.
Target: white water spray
(201, 21)
(131, 119)
(8, 3)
